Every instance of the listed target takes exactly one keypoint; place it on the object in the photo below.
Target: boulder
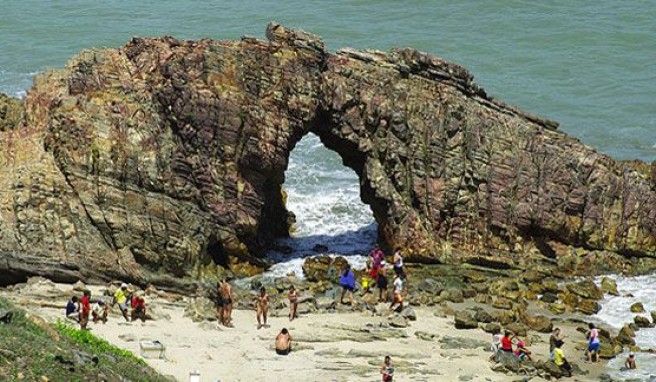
(464, 319)
(502, 303)
(518, 328)
(626, 336)
(549, 297)
(609, 286)
(552, 369)
(642, 322)
(430, 285)
(492, 328)
(453, 295)
(653, 315)
(637, 308)
(323, 268)
(453, 342)
(397, 321)
(483, 315)
(409, 313)
(588, 307)
(585, 289)
(540, 324)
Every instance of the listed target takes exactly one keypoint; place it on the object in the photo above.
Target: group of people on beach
(504, 344)
(79, 309)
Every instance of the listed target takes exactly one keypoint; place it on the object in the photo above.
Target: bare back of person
(283, 343)
(225, 291)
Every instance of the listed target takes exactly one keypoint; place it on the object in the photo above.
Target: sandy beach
(344, 346)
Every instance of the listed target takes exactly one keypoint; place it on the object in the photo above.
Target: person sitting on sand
(283, 342)
(560, 360)
(630, 362)
(262, 307)
(85, 305)
(522, 352)
(121, 298)
(138, 308)
(399, 291)
(381, 283)
(225, 290)
(73, 309)
(506, 341)
(293, 303)
(387, 370)
(496, 344)
(99, 311)
(593, 343)
(347, 281)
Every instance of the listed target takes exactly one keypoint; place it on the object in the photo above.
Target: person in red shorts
(85, 305)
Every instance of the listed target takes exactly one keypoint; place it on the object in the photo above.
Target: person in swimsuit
(226, 296)
(630, 362)
(387, 370)
(592, 352)
(262, 307)
(219, 302)
(283, 342)
(381, 283)
(293, 302)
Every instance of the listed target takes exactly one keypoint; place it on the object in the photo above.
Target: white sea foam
(616, 312)
(325, 197)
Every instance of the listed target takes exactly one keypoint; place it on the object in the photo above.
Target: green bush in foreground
(31, 349)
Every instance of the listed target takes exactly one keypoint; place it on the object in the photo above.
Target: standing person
(85, 309)
(398, 262)
(121, 298)
(262, 307)
(347, 281)
(381, 283)
(592, 336)
(399, 290)
(560, 360)
(367, 280)
(387, 370)
(293, 302)
(283, 342)
(99, 311)
(73, 309)
(555, 336)
(219, 302)
(377, 256)
(226, 296)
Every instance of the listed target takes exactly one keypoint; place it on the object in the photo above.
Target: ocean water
(587, 64)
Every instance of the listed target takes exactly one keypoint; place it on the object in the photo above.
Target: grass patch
(30, 348)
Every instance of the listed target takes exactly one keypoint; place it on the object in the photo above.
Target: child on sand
(262, 307)
(387, 370)
(293, 302)
(560, 360)
(522, 351)
(283, 342)
(630, 362)
(399, 290)
(99, 311)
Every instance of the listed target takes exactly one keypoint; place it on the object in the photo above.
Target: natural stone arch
(169, 156)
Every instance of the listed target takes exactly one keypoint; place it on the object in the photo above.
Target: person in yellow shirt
(560, 360)
(121, 298)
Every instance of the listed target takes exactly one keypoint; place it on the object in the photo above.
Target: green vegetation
(31, 349)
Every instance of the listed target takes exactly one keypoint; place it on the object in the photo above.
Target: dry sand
(327, 346)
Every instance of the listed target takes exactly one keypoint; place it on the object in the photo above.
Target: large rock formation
(168, 156)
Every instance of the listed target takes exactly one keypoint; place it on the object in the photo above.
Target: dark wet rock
(609, 351)
(464, 319)
(167, 157)
(320, 248)
(642, 322)
(549, 297)
(637, 308)
(609, 286)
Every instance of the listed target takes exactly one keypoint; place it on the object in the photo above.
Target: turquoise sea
(590, 65)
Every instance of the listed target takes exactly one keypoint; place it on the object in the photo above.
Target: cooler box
(152, 349)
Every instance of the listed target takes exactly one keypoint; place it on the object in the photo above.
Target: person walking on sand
(347, 281)
(121, 298)
(85, 304)
(381, 283)
(283, 342)
(399, 291)
(398, 262)
(73, 309)
(226, 296)
(293, 303)
(592, 351)
(262, 307)
(219, 302)
(387, 370)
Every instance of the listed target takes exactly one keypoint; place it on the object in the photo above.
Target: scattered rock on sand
(464, 319)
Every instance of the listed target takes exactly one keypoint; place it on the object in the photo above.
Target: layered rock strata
(169, 156)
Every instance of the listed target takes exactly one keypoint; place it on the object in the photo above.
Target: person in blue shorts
(592, 336)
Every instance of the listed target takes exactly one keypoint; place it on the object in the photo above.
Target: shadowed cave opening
(324, 195)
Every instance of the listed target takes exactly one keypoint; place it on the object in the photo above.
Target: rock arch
(155, 157)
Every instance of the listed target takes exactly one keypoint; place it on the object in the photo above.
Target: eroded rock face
(168, 156)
